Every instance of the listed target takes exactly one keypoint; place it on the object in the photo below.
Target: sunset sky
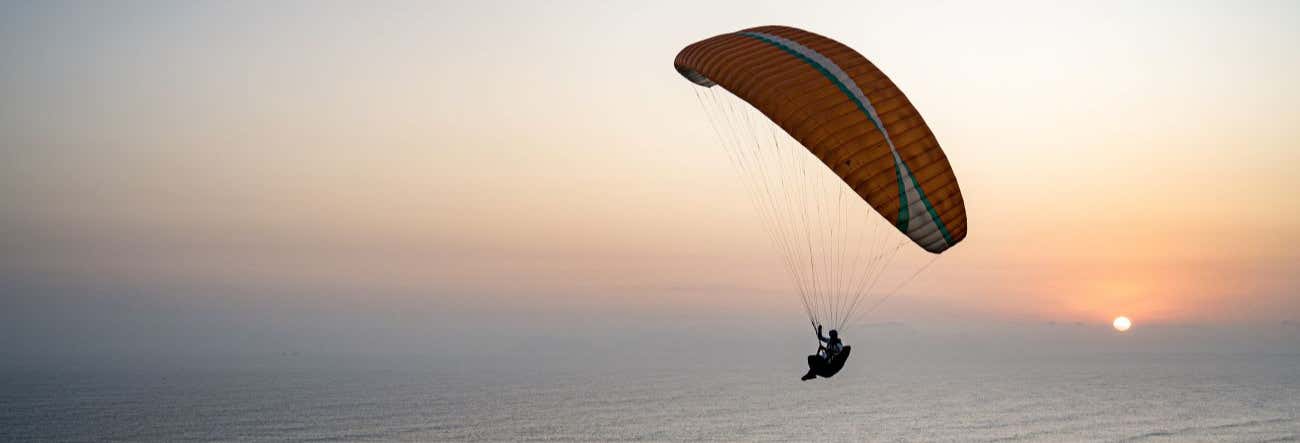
(274, 171)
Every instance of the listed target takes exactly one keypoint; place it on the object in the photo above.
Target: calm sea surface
(1199, 397)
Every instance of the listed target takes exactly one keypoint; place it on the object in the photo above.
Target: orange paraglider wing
(844, 110)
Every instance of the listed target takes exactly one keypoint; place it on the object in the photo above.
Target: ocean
(1103, 397)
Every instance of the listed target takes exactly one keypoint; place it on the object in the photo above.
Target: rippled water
(1178, 397)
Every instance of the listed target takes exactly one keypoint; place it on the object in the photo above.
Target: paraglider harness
(826, 353)
(826, 363)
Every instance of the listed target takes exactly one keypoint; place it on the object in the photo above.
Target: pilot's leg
(813, 361)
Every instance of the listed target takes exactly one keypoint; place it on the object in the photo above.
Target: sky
(235, 176)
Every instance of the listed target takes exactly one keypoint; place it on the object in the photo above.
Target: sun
(1122, 323)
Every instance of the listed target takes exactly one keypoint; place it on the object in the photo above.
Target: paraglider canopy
(791, 93)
